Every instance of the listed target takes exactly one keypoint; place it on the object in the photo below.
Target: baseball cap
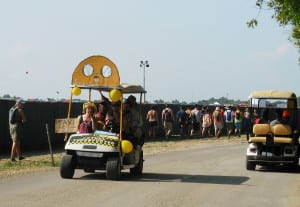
(20, 101)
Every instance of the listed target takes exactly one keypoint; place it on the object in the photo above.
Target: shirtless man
(152, 118)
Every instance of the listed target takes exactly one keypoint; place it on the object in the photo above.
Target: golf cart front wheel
(67, 167)
(113, 168)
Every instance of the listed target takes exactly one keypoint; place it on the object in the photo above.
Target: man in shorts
(152, 119)
(229, 117)
(16, 123)
(217, 118)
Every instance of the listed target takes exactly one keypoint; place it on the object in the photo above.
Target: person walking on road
(196, 120)
(238, 119)
(16, 124)
(206, 123)
(152, 119)
(229, 118)
(167, 120)
(217, 118)
(181, 117)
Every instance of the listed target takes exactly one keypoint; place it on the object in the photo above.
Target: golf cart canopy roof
(124, 87)
(273, 99)
(273, 94)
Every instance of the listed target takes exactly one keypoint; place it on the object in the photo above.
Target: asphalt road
(209, 174)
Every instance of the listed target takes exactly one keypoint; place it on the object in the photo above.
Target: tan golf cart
(277, 144)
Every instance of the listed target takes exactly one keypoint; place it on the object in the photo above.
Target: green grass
(42, 160)
(30, 163)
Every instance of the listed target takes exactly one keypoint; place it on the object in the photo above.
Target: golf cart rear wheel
(67, 167)
(113, 168)
(138, 170)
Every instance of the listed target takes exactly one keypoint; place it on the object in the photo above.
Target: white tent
(215, 104)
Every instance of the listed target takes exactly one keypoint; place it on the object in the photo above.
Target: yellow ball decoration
(76, 91)
(127, 146)
(115, 95)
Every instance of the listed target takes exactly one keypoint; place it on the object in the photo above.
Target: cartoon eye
(106, 71)
(88, 70)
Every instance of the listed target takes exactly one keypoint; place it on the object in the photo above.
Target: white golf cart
(101, 150)
(273, 144)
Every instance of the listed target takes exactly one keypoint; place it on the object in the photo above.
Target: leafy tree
(160, 101)
(175, 101)
(286, 12)
(6, 96)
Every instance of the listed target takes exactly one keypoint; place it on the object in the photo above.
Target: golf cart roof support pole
(90, 90)
(121, 118)
(140, 108)
(69, 113)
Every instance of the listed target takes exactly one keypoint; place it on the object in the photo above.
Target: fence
(39, 114)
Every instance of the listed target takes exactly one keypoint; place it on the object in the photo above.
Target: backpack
(238, 115)
(12, 115)
(228, 115)
(217, 115)
(168, 116)
(182, 116)
(194, 118)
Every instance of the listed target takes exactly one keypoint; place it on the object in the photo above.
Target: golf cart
(273, 144)
(110, 151)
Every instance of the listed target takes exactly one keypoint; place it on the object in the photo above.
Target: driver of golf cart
(112, 120)
(100, 116)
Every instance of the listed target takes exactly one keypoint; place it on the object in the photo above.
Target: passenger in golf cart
(132, 125)
(87, 122)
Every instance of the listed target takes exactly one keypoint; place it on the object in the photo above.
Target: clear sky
(196, 49)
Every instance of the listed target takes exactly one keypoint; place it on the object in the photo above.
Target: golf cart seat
(261, 129)
(281, 130)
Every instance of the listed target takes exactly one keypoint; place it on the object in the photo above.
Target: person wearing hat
(281, 117)
(217, 118)
(86, 121)
(16, 124)
(103, 109)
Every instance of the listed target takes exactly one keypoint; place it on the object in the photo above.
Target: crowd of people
(206, 121)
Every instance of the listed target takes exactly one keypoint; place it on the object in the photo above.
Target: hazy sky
(196, 49)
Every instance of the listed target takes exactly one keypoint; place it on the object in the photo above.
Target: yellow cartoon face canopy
(96, 71)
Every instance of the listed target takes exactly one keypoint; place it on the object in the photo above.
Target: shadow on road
(212, 179)
(185, 178)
